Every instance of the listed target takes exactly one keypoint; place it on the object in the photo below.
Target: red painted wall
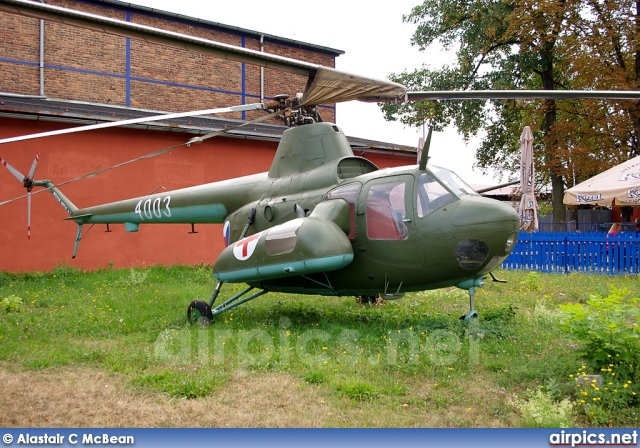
(69, 156)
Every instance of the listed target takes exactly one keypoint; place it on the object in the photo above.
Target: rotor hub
(293, 112)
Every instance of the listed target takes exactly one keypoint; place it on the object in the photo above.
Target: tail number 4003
(156, 208)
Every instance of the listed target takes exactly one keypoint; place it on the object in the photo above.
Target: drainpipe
(42, 55)
(262, 70)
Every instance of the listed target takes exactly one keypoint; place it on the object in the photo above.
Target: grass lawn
(112, 348)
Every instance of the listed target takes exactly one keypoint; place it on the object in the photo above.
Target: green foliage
(500, 45)
(180, 385)
(601, 395)
(533, 281)
(63, 271)
(608, 333)
(358, 390)
(314, 377)
(538, 410)
(607, 329)
(413, 352)
(11, 304)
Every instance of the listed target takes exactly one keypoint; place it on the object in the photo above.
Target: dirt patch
(81, 397)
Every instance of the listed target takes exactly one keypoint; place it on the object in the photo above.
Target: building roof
(219, 26)
(83, 113)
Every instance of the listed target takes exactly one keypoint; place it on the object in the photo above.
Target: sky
(376, 43)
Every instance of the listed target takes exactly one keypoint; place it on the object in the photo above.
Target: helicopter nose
(487, 229)
(487, 213)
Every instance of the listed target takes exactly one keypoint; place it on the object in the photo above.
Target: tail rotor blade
(27, 182)
(32, 171)
(13, 171)
(28, 216)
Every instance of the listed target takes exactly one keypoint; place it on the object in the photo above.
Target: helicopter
(321, 221)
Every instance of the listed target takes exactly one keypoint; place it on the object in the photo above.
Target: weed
(64, 271)
(538, 410)
(602, 395)
(314, 377)
(533, 281)
(180, 385)
(11, 304)
(607, 330)
(358, 390)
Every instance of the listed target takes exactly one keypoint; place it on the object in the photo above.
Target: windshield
(438, 188)
(452, 181)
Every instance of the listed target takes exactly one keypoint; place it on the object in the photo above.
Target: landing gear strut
(201, 312)
(472, 314)
(470, 286)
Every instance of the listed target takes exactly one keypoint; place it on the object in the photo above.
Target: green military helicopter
(321, 221)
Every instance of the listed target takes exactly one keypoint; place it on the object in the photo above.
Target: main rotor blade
(111, 124)
(13, 171)
(150, 155)
(523, 94)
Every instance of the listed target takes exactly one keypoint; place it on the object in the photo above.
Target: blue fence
(576, 252)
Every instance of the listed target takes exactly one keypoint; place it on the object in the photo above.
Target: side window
(386, 211)
(431, 195)
(349, 193)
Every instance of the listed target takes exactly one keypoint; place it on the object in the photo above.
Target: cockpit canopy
(385, 201)
(438, 187)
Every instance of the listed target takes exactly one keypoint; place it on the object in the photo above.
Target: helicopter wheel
(469, 315)
(367, 300)
(199, 312)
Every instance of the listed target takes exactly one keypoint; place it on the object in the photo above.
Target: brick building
(54, 75)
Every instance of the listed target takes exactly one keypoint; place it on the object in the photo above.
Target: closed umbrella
(528, 206)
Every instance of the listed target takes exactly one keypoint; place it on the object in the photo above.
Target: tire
(199, 312)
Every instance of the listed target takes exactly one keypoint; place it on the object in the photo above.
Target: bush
(607, 330)
(11, 304)
(603, 393)
(539, 410)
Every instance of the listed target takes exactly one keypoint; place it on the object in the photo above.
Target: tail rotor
(27, 182)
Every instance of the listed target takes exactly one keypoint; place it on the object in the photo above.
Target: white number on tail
(159, 207)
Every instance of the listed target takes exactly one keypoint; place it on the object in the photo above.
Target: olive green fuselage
(409, 243)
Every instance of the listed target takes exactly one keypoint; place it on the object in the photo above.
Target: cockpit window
(438, 188)
(348, 192)
(452, 181)
(386, 211)
(431, 195)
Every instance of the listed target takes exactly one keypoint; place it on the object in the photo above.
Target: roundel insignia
(244, 248)
(226, 233)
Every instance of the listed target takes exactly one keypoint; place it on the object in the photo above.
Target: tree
(604, 49)
(525, 44)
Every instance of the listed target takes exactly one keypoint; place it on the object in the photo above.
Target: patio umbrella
(528, 206)
(620, 184)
